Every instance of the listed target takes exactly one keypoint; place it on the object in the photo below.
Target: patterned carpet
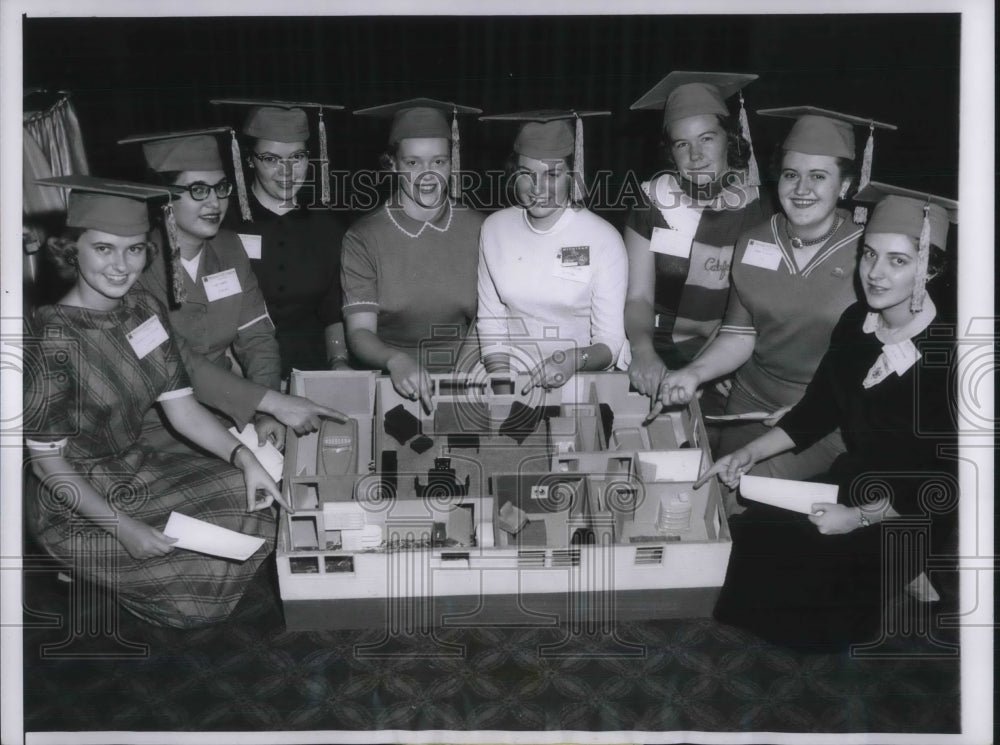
(251, 674)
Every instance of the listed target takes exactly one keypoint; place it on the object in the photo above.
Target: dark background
(148, 75)
(129, 76)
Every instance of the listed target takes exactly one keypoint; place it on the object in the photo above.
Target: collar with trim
(414, 228)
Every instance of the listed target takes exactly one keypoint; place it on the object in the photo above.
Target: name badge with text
(573, 263)
(671, 242)
(221, 284)
(763, 255)
(147, 336)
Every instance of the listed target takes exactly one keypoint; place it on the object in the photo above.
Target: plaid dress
(87, 389)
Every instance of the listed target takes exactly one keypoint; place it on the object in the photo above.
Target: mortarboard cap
(899, 210)
(109, 205)
(286, 121)
(418, 117)
(822, 132)
(924, 217)
(424, 117)
(119, 207)
(193, 150)
(683, 94)
(547, 135)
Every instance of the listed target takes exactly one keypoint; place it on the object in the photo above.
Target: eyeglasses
(272, 161)
(199, 190)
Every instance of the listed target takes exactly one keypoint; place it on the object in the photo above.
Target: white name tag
(147, 336)
(901, 356)
(221, 284)
(763, 255)
(671, 242)
(251, 244)
(573, 263)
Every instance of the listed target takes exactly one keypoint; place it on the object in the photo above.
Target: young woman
(293, 241)
(820, 579)
(106, 357)
(680, 241)
(792, 277)
(552, 275)
(223, 309)
(409, 268)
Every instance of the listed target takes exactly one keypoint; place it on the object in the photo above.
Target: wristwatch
(863, 520)
(584, 358)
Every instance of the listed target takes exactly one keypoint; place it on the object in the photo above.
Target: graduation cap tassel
(456, 164)
(923, 254)
(324, 162)
(241, 184)
(861, 213)
(176, 279)
(753, 172)
(578, 160)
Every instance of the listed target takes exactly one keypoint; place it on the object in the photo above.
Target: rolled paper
(798, 496)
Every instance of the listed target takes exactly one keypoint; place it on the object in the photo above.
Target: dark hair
(848, 168)
(61, 252)
(737, 147)
(937, 262)
(387, 159)
(511, 169)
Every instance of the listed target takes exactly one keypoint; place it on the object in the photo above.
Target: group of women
(799, 314)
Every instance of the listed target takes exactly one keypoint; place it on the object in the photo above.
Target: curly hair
(61, 252)
(737, 147)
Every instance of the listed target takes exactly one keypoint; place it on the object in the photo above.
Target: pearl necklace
(800, 243)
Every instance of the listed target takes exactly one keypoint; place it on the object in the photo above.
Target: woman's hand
(269, 428)
(142, 541)
(262, 492)
(729, 468)
(301, 414)
(409, 380)
(646, 371)
(831, 518)
(552, 372)
(678, 387)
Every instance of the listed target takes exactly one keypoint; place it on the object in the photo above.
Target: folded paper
(269, 456)
(206, 538)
